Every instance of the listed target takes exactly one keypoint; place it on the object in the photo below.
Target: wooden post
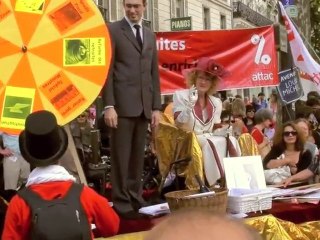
(71, 160)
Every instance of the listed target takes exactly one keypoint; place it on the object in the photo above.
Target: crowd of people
(289, 150)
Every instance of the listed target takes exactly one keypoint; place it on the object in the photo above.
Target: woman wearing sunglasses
(288, 150)
(234, 123)
(312, 169)
(249, 118)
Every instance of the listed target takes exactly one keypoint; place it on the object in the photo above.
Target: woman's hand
(193, 95)
(292, 159)
(288, 161)
(287, 182)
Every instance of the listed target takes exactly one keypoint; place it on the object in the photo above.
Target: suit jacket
(133, 85)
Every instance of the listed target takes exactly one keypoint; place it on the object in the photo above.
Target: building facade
(209, 14)
(205, 14)
(254, 13)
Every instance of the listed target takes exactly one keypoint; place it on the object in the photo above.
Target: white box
(246, 184)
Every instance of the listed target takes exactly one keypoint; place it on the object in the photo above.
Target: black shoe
(132, 215)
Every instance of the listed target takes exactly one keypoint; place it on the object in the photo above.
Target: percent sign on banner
(259, 58)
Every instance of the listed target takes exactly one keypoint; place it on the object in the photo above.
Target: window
(113, 9)
(103, 9)
(223, 22)
(99, 2)
(155, 24)
(179, 6)
(206, 18)
(148, 15)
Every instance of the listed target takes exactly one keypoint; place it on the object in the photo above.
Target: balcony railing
(241, 10)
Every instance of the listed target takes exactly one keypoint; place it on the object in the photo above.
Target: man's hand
(155, 118)
(111, 117)
(6, 152)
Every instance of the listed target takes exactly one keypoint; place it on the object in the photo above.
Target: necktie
(138, 36)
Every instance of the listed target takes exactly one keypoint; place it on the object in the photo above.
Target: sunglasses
(82, 116)
(227, 121)
(251, 111)
(292, 133)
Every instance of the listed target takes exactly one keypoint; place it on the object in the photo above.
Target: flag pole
(285, 61)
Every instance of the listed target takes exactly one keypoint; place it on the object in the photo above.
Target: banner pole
(285, 62)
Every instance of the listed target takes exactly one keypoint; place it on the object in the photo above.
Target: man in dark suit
(132, 100)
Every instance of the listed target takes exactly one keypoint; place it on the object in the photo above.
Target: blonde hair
(192, 78)
(238, 107)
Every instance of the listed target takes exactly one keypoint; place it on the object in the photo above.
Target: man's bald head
(198, 224)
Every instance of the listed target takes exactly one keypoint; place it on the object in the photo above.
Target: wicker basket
(216, 203)
(250, 203)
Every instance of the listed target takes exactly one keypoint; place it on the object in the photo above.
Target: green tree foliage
(315, 25)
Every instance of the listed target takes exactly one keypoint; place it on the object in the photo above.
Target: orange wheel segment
(54, 55)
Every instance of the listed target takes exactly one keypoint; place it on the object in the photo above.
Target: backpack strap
(31, 198)
(73, 193)
(72, 197)
(35, 200)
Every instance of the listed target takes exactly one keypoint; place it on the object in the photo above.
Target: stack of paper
(243, 192)
(294, 193)
(311, 195)
(155, 210)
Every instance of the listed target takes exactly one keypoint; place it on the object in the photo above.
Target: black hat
(43, 141)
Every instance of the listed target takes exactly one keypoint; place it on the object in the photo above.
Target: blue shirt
(261, 104)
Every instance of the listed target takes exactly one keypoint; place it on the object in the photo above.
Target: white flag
(301, 56)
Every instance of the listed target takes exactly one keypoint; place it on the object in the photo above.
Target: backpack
(57, 219)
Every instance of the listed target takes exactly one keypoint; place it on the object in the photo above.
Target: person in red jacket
(42, 144)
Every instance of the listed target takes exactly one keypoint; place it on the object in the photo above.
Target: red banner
(249, 55)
